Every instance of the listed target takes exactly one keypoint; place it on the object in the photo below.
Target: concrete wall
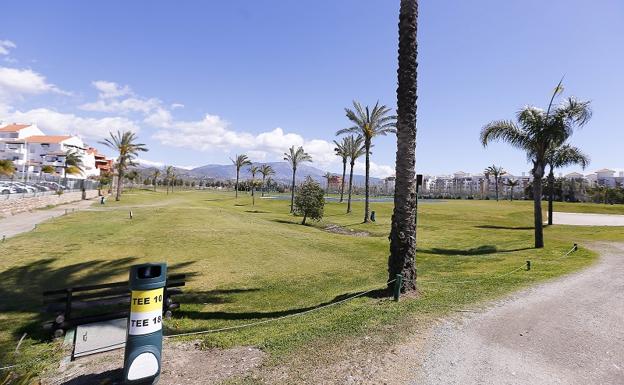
(14, 206)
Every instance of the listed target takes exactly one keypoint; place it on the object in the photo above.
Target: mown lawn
(251, 263)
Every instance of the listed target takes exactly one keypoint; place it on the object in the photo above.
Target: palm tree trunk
(537, 207)
(366, 182)
(119, 179)
(236, 185)
(253, 197)
(263, 185)
(292, 191)
(551, 195)
(496, 187)
(350, 187)
(305, 216)
(402, 258)
(344, 170)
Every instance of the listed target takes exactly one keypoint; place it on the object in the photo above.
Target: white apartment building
(30, 149)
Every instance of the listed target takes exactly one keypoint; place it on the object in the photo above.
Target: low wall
(13, 206)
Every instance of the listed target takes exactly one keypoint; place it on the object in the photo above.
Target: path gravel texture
(569, 331)
(24, 222)
(579, 219)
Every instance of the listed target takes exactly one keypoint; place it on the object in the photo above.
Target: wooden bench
(81, 305)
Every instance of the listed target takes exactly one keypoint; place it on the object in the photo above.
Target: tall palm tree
(72, 165)
(125, 144)
(558, 157)
(253, 169)
(369, 123)
(496, 172)
(355, 149)
(46, 169)
(327, 176)
(155, 175)
(239, 162)
(402, 258)
(169, 176)
(266, 170)
(341, 151)
(536, 132)
(512, 184)
(294, 158)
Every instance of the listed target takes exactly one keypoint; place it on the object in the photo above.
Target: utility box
(144, 338)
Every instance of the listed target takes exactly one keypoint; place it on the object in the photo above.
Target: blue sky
(201, 81)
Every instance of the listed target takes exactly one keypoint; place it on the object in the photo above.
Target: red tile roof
(47, 138)
(14, 127)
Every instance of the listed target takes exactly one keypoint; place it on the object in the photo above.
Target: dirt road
(583, 219)
(570, 331)
(23, 222)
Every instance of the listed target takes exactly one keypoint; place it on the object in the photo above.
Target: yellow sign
(147, 300)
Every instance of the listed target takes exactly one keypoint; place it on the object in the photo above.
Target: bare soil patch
(183, 363)
(341, 230)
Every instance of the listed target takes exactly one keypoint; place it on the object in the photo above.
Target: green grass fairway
(256, 263)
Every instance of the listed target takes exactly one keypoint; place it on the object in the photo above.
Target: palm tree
(294, 158)
(239, 161)
(369, 123)
(341, 151)
(266, 170)
(125, 144)
(46, 169)
(327, 176)
(7, 167)
(512, 184)
(536, 132)
(355, 149)
(169, 178)
(496, 172)
(558, 157)
(402, 258)
(253, 170)
(132, 176)
(72, 165)
(155, 175)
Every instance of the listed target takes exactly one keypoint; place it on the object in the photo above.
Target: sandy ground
(23, 222)
(183, 363)
(569, 331)
(588, 219)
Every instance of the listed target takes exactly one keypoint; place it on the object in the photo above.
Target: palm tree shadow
(480, 250)
(21, 287)
(219, 315)
(493, 227)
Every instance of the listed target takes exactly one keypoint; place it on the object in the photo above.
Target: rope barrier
(251, 324)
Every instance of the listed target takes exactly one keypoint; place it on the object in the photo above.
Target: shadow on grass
(211, 296)
(220, 315)
(21, 287)
(287, 222)
(480, 250)
(492, 227)
(257, 212)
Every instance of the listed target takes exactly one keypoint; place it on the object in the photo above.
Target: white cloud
(177, 105)
(14, 83)
(6, 46)
(111, 89)
(91, 128)
(122, 106)
(376, 170)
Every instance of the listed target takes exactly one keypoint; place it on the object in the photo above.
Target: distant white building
(30, 149)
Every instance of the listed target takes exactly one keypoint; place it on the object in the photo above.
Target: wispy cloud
(6, 46)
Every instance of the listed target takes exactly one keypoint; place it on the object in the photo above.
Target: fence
(15, 188)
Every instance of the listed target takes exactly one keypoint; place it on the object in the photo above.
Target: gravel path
(579, 219)
(23, 222)
(570, 331)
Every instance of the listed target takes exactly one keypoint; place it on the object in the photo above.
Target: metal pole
(398, 284)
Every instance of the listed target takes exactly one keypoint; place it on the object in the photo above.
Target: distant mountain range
(283, 173)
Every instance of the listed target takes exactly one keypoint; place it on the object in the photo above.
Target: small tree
(310, 201)
(7, 167)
